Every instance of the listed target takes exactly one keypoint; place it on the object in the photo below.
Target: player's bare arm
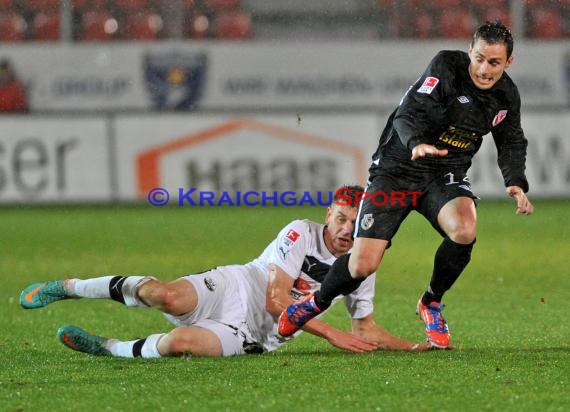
(524, 207)
(278, 298)
(369, 329)
(423, 150)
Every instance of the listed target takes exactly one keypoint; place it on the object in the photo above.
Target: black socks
(450, 260)
(337, 282)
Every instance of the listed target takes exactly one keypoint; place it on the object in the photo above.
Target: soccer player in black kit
(427, 146)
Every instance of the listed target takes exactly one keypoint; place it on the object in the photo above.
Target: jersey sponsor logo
(459, 138)
(499, 117)
(428, 85)
(367, 221)
(463, 99)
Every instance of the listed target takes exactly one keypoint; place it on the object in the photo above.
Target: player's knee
(464, 233)
(361, 268)
(161, 296)
(170, 300)
(178, 342)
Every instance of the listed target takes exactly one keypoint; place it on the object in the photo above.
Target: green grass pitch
(508, 314)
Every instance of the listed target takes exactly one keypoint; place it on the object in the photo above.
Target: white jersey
(300, 251)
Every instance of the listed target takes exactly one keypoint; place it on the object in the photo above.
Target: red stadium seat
(423, 26)
(233, 25)
(498, 13)
(79, 4)
(199, 27)
(7, 5)
(45, 26)
(12, 27)
(90, 5)
(98, 26)
(221, 5)
(456, 23)
(130, 6)
(36, 6)
(443, 4)
(546, 24)
(488, 3)
(142, 26)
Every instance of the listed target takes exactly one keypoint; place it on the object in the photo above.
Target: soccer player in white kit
(233, 310)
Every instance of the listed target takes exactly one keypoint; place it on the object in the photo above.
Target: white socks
(99, 288)
(140, 348)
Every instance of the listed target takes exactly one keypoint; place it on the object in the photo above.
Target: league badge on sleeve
(428, 85)
(288, 241)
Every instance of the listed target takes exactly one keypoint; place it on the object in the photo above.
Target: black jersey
(445, 109)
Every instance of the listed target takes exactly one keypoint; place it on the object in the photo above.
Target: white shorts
(220, 309)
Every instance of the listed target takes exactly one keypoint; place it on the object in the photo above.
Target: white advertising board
(277, 153)
(184, 76)
(53, 160)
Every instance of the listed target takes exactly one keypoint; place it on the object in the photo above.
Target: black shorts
(390, 198)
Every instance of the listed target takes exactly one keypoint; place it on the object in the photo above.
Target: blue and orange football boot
(296, 315)
(437, 331)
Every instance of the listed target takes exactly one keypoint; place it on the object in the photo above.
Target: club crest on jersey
(367, 221)
(428, 85)
(210, 284)
(499, 117)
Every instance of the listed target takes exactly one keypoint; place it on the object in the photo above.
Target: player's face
(340, 223)
(488, 63)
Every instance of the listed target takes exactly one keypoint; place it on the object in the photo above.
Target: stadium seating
(545, 23)
(45, 26)
(489, 3)
(456, 23)
(199, 27)
(7, 5)
(221, 5)
(233, 25)
(498, 13)
(130, 6)
(423, 26)
(98, 25)
(12, 27)
(143, 25)
(36, 6)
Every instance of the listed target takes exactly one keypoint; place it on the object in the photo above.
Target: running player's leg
(450, 208)
(376, 223)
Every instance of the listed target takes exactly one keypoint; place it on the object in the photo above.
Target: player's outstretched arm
(278, 298)
(524, 207)
(367, 328)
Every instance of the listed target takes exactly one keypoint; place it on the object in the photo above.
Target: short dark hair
(494, 33)
(348, 191)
